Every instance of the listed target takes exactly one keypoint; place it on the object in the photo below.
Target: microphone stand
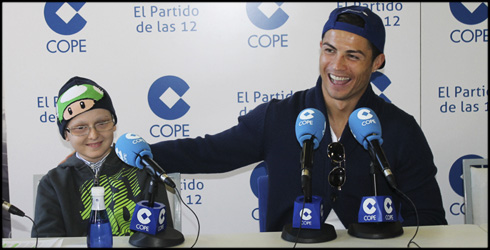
(306, 166)
(166, 238)
(375, 230)
(307, 235)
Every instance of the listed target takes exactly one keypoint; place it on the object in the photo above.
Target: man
(351, 49)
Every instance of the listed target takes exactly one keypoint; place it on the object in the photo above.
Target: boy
(87, 120)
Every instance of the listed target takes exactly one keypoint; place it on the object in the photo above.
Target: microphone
(366, 128)
(12, 209)
(149, 220)
(377, 218)
(310, 127)
(308, 225)
(136, 152)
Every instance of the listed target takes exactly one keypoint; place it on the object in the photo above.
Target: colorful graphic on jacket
(120, 192)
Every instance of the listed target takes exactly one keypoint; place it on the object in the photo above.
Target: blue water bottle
(99, 229)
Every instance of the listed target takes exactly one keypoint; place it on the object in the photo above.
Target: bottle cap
(98, 191)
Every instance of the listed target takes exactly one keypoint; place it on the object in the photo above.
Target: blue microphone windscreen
(310, 124)
(365, 126)
(130, 148)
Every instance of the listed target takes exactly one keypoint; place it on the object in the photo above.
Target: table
(460, 235)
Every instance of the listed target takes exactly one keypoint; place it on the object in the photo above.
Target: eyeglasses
(84, 130)
(336, 153)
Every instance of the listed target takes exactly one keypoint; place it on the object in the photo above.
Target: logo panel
(306, 214)
(464, 12)
(267, 15)
(388, 205)
(144, 216)
(369, 206)
(165, 97)
(364, 114)
(469, 13)
(161, 216)
(63, 17)
(307, 114)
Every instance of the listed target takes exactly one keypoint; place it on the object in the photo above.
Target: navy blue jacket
(267, 133)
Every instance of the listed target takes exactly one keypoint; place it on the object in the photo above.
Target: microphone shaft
(158, 171)
(378, 158)
(306, 165)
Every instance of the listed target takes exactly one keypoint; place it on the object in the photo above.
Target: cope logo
(469, 13)
(307, 114)
(63, 18)
(165, 97)
(457, 184)
(388, 205)
(305, 214)
(372, 211)
(381, 81)
(369, 206)
(143, 216)
(165, 100)
(364, 114)
(267, 16)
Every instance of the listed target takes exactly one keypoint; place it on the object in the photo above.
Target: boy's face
(94, 145)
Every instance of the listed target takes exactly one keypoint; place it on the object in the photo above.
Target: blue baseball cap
(373, 30)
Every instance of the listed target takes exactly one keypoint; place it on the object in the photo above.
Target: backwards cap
(373, 30)
(79, 95)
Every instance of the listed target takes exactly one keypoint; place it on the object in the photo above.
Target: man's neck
(338, 112)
